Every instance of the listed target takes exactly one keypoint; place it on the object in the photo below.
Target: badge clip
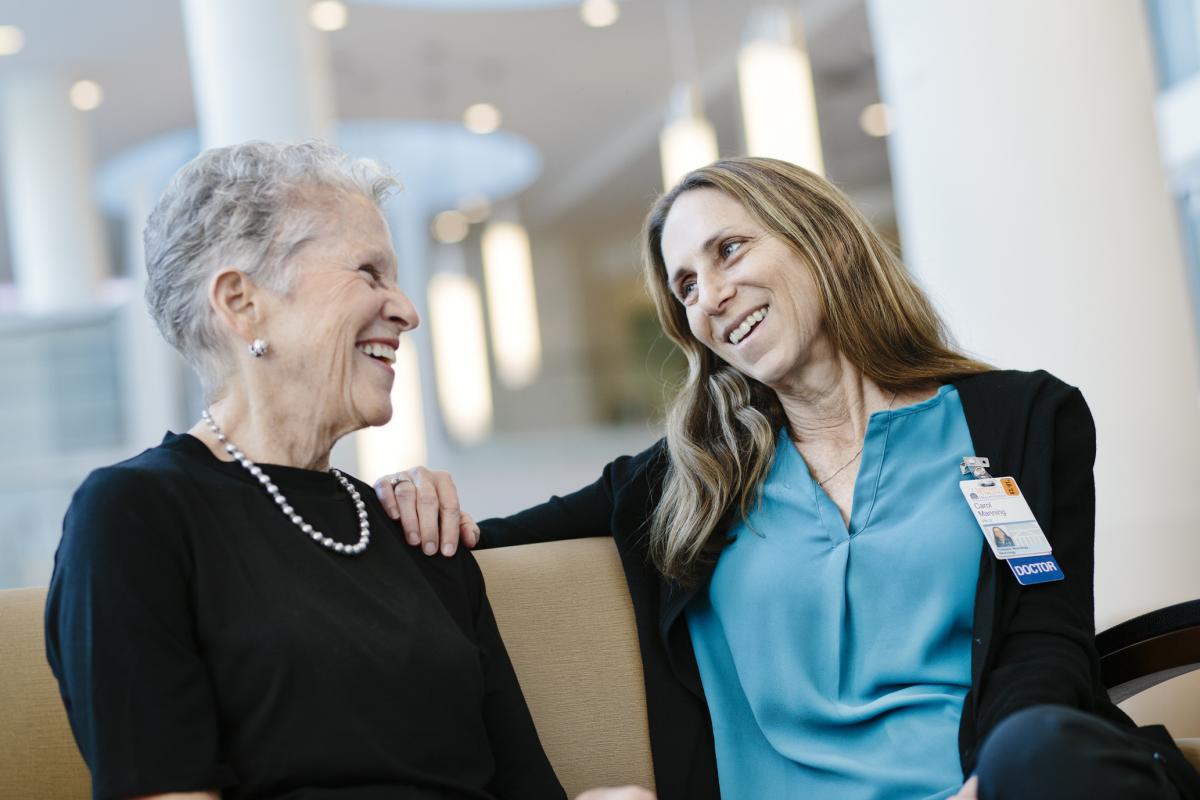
(977, 467)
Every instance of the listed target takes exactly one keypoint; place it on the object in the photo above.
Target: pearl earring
(257, 348)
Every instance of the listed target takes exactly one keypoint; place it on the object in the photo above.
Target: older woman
(818, 614)
(228, 615)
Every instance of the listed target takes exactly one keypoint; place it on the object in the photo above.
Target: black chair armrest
(1147, 650)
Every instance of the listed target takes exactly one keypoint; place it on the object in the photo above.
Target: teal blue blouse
(835, 660)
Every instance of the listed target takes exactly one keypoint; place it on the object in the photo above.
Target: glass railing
(60, 416)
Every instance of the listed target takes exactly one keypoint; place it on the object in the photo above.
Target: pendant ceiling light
(779, 110)
(459, 348)
(688, 140)
(512, 301)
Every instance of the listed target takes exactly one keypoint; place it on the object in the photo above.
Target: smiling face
(334, 333)
(747, 296)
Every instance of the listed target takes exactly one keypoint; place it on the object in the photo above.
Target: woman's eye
(370, 271)
(729, 248)
(687, 289)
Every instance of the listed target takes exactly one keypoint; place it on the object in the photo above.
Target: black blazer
(1032, 645)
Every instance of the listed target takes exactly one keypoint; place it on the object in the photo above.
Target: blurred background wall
(1038, 164)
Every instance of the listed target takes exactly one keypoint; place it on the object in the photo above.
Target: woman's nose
(400, 309)
(714, 293)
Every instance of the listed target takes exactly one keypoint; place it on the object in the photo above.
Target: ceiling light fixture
(481, 118)
(450, 227)
(475, 207)
(86, 95)
(599, 13)
(688, 140)
(511, 302)
(328, 15)
(460, 356)
(779, 110)
(875, 120)
(12, 40)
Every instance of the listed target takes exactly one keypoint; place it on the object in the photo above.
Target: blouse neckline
(313, 481)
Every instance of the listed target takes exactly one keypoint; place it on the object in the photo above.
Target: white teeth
(378, 350)
(747, 325)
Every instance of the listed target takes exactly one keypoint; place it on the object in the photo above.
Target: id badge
(1010, 529)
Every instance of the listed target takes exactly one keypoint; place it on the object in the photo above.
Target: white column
(259, 71)
(56, 236)
(1033, 206)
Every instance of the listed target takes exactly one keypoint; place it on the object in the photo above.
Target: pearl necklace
(254, 469)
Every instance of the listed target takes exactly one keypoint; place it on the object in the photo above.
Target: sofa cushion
(38, 757)
(565, 614)
(562, 608)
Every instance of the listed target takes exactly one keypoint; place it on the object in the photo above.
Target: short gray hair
(238, 206)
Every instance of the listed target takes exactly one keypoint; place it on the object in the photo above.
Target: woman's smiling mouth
(383, 352)
(749, 324)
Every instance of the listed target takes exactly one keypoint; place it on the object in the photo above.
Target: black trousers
(1061, 753)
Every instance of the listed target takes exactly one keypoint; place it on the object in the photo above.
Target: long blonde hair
(721, 426)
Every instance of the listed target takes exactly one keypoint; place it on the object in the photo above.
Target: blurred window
(62, 390)
(60, 417)
(1173, 24)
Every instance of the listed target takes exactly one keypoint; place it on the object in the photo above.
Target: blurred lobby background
(1037, 162)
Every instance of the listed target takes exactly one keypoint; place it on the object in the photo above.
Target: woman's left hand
(425, 503)
(969, 790)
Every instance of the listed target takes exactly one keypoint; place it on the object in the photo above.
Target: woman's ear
(234, 297)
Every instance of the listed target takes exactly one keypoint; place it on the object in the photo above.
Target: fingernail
(412, 538)
(448, 549)
(430, 548)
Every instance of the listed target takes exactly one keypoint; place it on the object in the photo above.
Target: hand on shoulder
(425, 503)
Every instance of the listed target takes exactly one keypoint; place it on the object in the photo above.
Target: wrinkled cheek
(329, 363)
(338, 354)
(341, 370)
(357, 390)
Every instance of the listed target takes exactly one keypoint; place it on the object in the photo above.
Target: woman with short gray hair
(228, 615)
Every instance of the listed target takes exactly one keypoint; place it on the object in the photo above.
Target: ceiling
(591, 100)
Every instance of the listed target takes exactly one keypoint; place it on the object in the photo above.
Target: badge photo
(1004, 518)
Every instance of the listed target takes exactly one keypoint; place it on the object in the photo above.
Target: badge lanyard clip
(977, 467)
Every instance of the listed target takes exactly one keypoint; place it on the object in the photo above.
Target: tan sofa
(563, 609)
(565, 615)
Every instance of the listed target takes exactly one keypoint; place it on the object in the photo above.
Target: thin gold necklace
(858, 453)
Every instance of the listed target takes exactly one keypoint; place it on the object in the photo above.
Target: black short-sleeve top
(203, 642)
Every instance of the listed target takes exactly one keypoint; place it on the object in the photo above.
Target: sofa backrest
(567, 620)
(562, 607)
(38, 757)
